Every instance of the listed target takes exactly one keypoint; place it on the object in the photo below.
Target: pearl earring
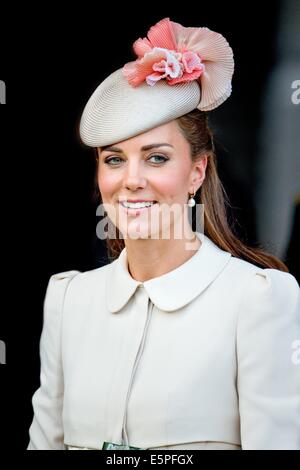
(191, 201)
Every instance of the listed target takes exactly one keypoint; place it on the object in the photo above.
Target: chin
(138, 231)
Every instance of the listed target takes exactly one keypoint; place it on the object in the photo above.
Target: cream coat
(201, 357)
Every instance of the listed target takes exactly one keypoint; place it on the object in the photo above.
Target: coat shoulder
(260, 280)
(84, 278)
(245, 268)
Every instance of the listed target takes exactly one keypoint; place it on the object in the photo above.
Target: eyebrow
(145, 147)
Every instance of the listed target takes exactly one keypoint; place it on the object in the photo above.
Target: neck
(149, 258)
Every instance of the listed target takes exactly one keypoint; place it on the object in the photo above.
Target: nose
(134, 177)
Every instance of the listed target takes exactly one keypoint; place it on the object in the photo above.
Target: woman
(185, 340)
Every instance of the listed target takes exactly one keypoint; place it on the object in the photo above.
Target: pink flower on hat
(173, 66)
(156, 63)
(177, 54)
(164, 64)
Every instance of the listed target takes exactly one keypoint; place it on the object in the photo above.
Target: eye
(109, 160)
(112, 160)
(164, 159)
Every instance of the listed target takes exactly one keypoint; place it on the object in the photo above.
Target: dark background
(51, 62)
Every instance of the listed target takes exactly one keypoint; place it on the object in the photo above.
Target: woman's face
(155, 167)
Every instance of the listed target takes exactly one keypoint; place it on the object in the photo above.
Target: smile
(134, 208)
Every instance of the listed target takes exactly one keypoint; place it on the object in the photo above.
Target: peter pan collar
(172, 290)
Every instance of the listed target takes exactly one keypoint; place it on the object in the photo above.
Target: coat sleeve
(268, 382)
(46, 430)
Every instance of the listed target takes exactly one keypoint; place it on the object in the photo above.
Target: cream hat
(178, 69)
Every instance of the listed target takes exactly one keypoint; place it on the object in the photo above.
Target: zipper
(136, 362)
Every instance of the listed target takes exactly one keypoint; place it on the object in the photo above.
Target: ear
(198, 173)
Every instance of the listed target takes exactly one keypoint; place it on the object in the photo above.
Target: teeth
(137, 205)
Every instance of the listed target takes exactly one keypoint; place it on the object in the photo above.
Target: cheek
(171, 183)
(107, 183)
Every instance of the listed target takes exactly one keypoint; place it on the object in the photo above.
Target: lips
(136, 210)
(137, 203)
(136, 200)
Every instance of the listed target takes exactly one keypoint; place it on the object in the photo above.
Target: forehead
(166, 133)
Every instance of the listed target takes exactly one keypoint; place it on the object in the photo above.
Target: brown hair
(195, 129)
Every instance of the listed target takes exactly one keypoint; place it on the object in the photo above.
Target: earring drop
(191, 201)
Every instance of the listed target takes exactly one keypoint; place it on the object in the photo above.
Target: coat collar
(172, 290)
